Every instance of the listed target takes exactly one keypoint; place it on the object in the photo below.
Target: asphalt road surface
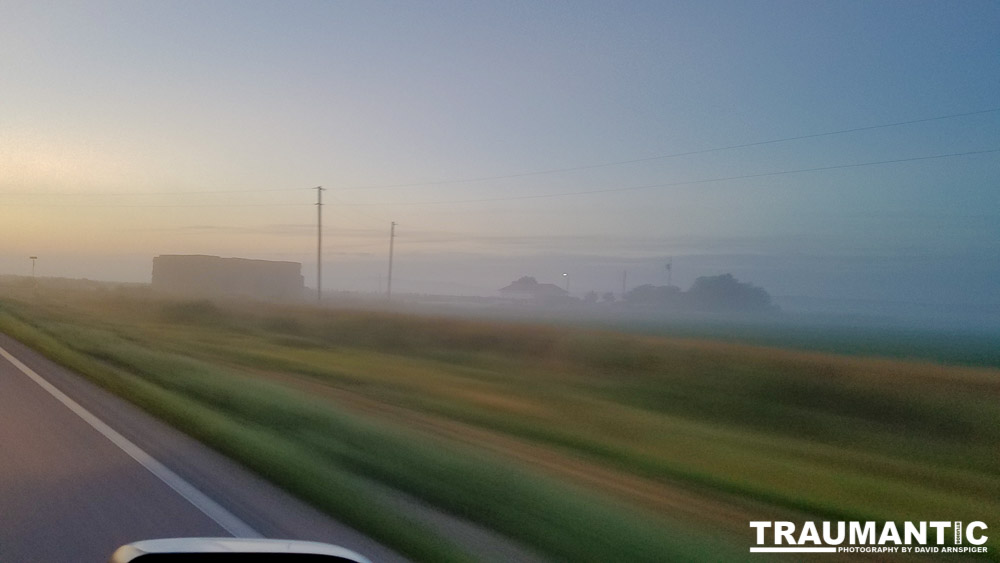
(83, 472)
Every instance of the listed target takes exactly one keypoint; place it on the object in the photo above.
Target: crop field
(581, 444)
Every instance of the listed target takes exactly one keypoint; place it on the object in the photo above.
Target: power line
(512, 198)
(684, 183)
(154, 206)
(336, 201)
(475, 179)
(193, 192)
(671, 155)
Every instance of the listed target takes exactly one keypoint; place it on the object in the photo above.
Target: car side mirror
(232, 550)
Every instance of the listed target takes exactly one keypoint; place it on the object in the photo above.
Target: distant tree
(708, 293)
(654, 295)
(590, 297)
(725, 293)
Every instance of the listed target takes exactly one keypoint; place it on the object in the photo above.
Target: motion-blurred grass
(832, 436)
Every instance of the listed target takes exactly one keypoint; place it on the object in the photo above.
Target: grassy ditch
(830, 436)
(261, 448)
(327, 456)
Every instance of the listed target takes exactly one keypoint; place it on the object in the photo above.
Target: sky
(831, 150)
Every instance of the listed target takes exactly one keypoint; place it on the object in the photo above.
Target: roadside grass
(326, 456)
(261, 448)
(839, 437)
(594, 383)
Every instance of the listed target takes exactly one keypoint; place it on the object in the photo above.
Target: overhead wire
(671, 155)
(155, 205)
(680, 183)
(511, 176)
(140, 193)
(341, 203)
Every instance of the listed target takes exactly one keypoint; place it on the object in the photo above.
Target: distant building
(529, 288)
(212, 276)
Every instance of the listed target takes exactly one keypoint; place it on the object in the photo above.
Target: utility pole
(392, 239)
(624, 282)
(33, 258)
(319, 243)
(670, 263)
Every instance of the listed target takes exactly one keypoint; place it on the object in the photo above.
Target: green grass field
(586, 445)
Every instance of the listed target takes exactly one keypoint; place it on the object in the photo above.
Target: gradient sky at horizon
(116, 118)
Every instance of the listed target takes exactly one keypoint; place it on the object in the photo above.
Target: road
(82, 472)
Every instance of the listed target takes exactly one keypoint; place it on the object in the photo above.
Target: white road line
(200, 500)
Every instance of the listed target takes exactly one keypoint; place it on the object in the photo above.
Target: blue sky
(113, 113)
